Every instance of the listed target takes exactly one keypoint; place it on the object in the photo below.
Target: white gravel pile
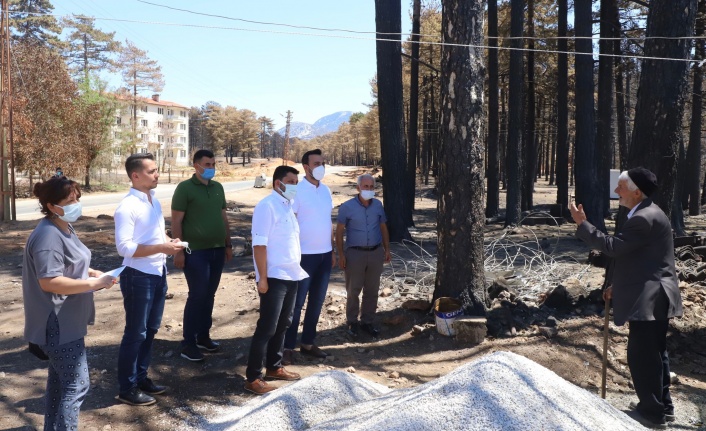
(300, 405)
(501, 391)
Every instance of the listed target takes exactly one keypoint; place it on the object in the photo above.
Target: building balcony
(177, 118)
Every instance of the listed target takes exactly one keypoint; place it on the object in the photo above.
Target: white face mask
(318, 173)
(289, 192)
(367, 194)
(71, 212)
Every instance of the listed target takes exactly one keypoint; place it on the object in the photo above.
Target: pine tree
(88, 49)
(32, 21)
(139, 73)
(460, 221)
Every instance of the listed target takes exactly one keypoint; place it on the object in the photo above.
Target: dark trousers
(143, 299)
(649, 367)
(363, 270)
(68, 381)
(649, 362)
(318, 266)
(276, 307)
(202, 269)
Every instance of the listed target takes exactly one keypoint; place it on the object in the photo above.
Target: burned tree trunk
(388, 24)
(660, 98)
(460, 222)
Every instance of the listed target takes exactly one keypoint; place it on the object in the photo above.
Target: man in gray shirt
(367, 248)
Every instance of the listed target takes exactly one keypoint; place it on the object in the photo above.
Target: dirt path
(397, 359)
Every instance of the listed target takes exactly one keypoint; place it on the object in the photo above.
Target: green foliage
(88, 49)
(31, 21)
(95, 110)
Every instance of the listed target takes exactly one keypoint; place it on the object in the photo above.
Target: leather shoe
(135, 397)
(669, 417)
(314, 351)
(281, 374)
(258, 387)
(647, 422)
(370, 329)
(147, 386)
(353, 329)
(287, 357)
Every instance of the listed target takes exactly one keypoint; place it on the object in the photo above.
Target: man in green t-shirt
(199, 218)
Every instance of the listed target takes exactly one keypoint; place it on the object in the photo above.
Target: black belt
(365, 248)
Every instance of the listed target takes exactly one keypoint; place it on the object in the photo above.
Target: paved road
(106, 203)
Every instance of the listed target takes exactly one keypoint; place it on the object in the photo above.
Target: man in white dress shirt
(141, 239)
(276, 253)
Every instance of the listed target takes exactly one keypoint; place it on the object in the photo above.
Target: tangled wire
(530, 270)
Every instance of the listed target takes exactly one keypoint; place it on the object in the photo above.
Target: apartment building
(162, 129)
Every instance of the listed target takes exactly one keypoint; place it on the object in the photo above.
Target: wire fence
(532, 270)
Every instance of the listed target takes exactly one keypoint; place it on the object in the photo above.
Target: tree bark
(693, 155)
(493, 198)
(660, 98)
(388, 25)
(460, 222)
(585, 162)
(530, 139)
(413, 113)
(604, 126)
(562, 112)
(514, 139)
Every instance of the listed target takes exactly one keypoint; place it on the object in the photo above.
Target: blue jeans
(202, 269)
(318, 266)
(68, 380)
(276, 307)
(143, 299)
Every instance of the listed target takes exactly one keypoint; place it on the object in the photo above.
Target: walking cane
(606, 325)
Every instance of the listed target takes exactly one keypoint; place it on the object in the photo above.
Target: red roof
(150, 101)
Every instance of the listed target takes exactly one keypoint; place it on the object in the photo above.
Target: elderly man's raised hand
(577, 213)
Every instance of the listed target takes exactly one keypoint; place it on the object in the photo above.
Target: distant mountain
(322, 126)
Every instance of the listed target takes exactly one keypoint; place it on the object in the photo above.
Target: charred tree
(388, 25)
(513, 166)
(460, 222)
(660, 97)
(493, 197)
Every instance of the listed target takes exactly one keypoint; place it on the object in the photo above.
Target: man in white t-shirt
(313, 206)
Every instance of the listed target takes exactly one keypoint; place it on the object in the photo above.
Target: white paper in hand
(114, 272)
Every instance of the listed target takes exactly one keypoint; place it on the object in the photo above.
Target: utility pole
(7, 169)
(286, 138)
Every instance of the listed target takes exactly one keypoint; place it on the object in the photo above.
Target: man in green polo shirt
(199, 218)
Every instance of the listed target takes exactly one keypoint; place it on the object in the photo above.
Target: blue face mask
(71, 212)
(208, 173)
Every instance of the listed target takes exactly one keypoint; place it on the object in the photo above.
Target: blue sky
(265, 68)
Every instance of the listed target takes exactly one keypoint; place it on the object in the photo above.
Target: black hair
(55, 190)
(305, 157)
(281, 172)
(135, 162)
(200, 154)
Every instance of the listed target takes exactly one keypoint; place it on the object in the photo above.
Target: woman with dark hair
(58, 286)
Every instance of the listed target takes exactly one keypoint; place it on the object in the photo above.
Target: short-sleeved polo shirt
(202, 205)
(362, 223)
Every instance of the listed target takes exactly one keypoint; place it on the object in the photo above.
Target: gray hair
(631, 185)
(366, 176)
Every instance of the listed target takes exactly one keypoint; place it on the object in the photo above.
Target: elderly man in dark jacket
(644, 289)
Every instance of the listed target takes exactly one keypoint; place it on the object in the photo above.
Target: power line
(460, 45)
